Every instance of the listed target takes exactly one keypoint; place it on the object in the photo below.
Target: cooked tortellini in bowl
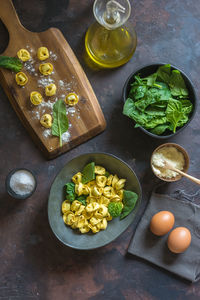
(86, 205)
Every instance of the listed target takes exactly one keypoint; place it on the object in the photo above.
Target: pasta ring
(46, 68)
(71, 99)
(42, 53)
(36, 98)
(50, 89)
(21, 78)
(23, 54)
(46, 120)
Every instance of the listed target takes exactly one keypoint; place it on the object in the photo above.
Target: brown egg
(162, 222)
(179, 239)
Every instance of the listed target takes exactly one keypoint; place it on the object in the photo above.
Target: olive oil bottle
(111, 41)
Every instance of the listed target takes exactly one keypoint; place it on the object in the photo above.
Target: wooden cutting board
(86, 118)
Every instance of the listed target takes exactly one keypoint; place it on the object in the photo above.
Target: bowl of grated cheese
(172, 154)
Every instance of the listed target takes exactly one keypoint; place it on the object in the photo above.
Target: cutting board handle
(10, 18)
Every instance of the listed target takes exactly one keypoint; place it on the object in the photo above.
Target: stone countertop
(34, 264)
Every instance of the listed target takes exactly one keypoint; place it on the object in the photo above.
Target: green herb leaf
(70, 191)
(159, 129)
(129, 200)
(115, 209)
(107, 174)
(177, 84)
(174, 113)
(60, 120)
(11, 63)
(88, 173)
(164, 73)
(82, 199)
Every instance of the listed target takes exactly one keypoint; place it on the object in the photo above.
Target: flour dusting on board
(63, 91)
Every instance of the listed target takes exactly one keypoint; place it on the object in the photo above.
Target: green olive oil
(110, 48)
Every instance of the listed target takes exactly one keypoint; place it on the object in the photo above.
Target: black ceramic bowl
(73, 238)
(148, 70)
(11, 192)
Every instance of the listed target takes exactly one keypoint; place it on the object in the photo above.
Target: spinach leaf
(88, 173)
(115, 209)
(177, 84)
(164, 73)
(71, 195)
(159, 129)
(131, 111)
(107, 174)
(174, 113)
(60, 120)
(82, 199)
(70, 191)
(151, 79)
(129, 200)
(11, 63)
(156, 121)
(186, 106)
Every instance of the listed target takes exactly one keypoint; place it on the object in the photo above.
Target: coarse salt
(44, 81)
(29, 66)
(66, 137)
(22, 182)
(47, 133)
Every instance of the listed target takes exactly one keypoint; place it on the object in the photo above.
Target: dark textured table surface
(33, 263)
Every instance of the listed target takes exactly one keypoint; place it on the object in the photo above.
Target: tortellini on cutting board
(36, 98)
(46, 68)
(46, 121)
(23, 54)
(50, 89)
(71, 99)
(21, 78)
(42, 53)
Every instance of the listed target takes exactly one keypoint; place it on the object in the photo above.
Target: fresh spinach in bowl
(159, 102)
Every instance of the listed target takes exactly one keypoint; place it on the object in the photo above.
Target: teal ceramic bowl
(88, 241)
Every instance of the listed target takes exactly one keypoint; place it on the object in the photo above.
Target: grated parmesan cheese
(170, 155)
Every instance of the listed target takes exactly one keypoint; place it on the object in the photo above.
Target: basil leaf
(11, 63)
(88, 173)
(60, 120)
(129, 200)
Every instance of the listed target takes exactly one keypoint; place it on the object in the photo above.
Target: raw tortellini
(50, 89)
(23, 54)
(36, 98)
(71, 99)
(42, 53)
(21, 78)
(46, 120)
(46, 68)
(98, 193)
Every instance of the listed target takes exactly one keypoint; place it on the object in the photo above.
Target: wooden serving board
(86, 118)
